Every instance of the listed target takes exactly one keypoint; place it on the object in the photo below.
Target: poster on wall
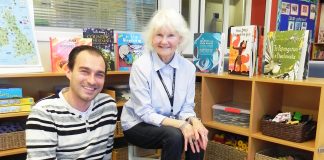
(18, 48)
(297, 15)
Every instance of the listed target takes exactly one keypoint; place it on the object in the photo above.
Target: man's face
(87, 77)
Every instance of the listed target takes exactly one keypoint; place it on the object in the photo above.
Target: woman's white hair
(171, 19)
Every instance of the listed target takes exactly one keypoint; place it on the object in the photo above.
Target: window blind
(121, 15)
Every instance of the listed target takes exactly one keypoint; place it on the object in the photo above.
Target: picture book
(318, 52)
(130, 46)
(208, 56)
(103, 39)
(243, 50)
(61, 48)
(285, 56)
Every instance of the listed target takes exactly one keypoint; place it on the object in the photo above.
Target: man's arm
(41, 135)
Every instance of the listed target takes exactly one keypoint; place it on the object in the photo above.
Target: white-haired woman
(160, 113)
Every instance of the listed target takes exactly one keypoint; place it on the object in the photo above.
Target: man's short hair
(76, 50)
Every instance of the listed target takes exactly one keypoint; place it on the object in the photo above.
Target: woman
(160, 113)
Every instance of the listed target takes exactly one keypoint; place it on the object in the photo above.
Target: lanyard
(171, 97)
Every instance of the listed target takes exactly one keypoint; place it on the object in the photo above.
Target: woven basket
(218, 151)
(273, 153)
(12, 140)
(120, 153)
(296, 133)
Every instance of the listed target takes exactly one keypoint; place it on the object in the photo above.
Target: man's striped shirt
(55, 130)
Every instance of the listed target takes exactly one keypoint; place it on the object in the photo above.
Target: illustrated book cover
(243, 50)
(130, 46)
(208, 56)
(61, 48)
(103, 39)
(286, 54)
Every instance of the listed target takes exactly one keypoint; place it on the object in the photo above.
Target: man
(79, 123)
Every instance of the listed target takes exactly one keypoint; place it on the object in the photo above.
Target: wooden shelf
(228, 128)
(120, 103)
(308, 145)
(18, 114)
(12, 152)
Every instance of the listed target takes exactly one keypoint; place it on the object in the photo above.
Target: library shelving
(262, 95)
(37, 85)
(265, 96)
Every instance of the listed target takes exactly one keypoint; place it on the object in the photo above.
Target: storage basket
(275, 153)
(295, 133)
(218, 151)
(120, 153)
(12, 140)
(227, 114)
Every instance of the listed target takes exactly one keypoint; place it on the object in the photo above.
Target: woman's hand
(189, 137)
(200, 132)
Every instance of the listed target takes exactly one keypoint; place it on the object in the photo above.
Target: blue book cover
(130, 47)
(103, 39)
(10, 93)
(207, 52)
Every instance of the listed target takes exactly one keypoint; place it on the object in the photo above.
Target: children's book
(243, 50)
(130, 46)
(61, 48)
(208, 56)
(103, 39)
(286, 54)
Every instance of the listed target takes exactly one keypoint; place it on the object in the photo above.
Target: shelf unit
(265, 96)
(36, 84)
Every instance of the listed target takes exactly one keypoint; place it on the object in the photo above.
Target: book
(17, 101)
(10, 93)
(61, 48)
(103, 39)
(130, 46)
(13, 108)
(208, 55)
(286, 54)
(243, 50)
(318, 52)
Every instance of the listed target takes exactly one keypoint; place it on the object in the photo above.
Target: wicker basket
(218, 151)
(12, 140)
(120, 153)
(273, 153)
(296, 133)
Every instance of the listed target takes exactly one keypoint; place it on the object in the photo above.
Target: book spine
(17, 101)
(10, 109)
(10, 93)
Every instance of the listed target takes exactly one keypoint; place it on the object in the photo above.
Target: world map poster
(18, 47)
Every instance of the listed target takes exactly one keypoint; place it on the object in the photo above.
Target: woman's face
(165, 42)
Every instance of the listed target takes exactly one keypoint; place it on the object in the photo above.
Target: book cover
(10, 93)
(243, 50)
(285, 54)
(130, 46)
(17, 101)
(103, 39)
(208, 52)
(61, 48)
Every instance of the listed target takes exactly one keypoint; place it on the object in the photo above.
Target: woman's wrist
(183, 125)
(191, 120)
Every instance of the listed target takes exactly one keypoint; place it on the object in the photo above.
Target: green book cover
(285, 54)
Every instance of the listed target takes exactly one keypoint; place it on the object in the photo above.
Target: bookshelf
(38, 85)
(265, 96)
